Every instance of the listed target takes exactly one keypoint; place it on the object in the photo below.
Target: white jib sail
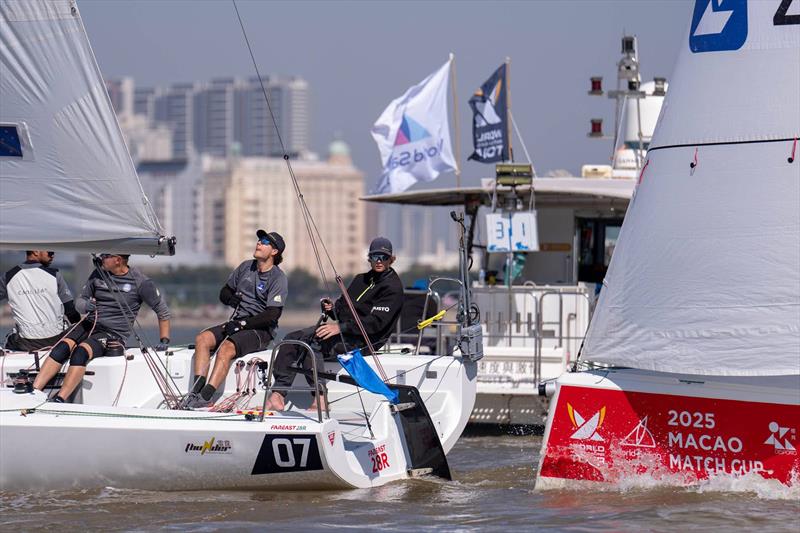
(705, 278)
(66, 178)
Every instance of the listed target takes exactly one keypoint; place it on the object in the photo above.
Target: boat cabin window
(634, 145)
(597, 238)
(10, 144)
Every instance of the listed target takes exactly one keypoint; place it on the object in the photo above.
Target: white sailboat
(694, 348)
(68, 183)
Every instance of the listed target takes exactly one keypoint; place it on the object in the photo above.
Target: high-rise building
(121, 94)
(260, 195)
(188, 196)
(147, 141)
(224, 116)
(215, 116)
(290, 102)
(214, 206)
(144, 102)
(175, 108)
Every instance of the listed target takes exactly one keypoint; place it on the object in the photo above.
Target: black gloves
(234, 326)
(228, 297)
(235, 299)
(163, 344)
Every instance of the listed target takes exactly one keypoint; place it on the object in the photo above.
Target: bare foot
(322, 404)
(276, 402)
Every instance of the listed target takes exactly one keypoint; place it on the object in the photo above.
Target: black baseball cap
(274, 238)
(380, 245)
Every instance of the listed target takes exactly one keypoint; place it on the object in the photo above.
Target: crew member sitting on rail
(257, 291)
(377, 297)
(111, 299)
(39, 300)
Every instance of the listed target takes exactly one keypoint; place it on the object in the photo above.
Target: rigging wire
(314, 235)
(166, 384)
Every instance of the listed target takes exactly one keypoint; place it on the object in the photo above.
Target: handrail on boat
(540, 323)
(315, 388)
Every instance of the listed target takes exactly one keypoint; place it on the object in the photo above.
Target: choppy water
(493, 490)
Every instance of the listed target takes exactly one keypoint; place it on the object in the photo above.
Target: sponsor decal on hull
(378, 458)
(606, 435)
(212, 446)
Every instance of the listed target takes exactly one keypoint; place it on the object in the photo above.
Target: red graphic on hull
(663, 435)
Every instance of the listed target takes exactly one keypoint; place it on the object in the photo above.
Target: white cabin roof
(571, 191)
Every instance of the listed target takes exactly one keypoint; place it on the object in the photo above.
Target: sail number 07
(691, 420)
(284, 448)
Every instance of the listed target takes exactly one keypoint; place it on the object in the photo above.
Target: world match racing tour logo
(586, 429)
(413, 144)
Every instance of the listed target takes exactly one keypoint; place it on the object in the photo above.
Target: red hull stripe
(606, 435)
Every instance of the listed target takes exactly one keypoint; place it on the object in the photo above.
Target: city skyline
(348, 52)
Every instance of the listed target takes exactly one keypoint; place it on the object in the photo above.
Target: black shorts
(246, 341)
(102, 341)
(21, 344)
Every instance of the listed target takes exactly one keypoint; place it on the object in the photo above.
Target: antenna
(629, 81)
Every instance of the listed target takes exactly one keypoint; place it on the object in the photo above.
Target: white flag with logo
(413, 135)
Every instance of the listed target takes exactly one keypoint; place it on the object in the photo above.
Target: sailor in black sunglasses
(377, 297)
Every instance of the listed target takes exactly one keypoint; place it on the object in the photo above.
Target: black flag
(490, 119)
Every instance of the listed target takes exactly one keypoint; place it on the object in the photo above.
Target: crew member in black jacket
(377, 296)
(257, 290)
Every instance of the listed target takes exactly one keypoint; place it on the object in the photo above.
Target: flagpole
(455, 118)
(508, 108)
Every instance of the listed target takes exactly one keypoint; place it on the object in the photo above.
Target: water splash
(647, 471)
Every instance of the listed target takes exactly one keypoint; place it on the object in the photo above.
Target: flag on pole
(413, 135)
(490, 119)
(363, 374)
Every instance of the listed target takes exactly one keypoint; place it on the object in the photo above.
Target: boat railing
(566, 334)
(316, 389)
(508, 314)
(439, 330)
(533, 321)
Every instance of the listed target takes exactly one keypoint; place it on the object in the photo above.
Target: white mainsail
(705, 277)
(67, 180)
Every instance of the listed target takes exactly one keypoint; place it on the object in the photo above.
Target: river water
(493, 490)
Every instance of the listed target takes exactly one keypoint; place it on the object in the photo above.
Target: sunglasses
(106, 256)
(265, 242)
(375, 258)
(51, 254)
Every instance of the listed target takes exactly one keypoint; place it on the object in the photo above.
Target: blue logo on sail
(718, 25)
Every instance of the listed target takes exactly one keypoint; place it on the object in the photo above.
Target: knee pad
(60, 353)
(80, 357)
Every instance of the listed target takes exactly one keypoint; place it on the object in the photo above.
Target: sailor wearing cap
(257, 291)
(377, 297)
(111, 299)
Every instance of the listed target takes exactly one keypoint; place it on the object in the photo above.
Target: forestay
(705, 278)
(66, 176)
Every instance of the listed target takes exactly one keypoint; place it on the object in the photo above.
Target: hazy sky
(358, 56)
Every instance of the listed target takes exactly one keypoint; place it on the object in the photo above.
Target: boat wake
(645, 471)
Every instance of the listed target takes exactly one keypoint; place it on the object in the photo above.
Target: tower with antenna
(636, 112)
